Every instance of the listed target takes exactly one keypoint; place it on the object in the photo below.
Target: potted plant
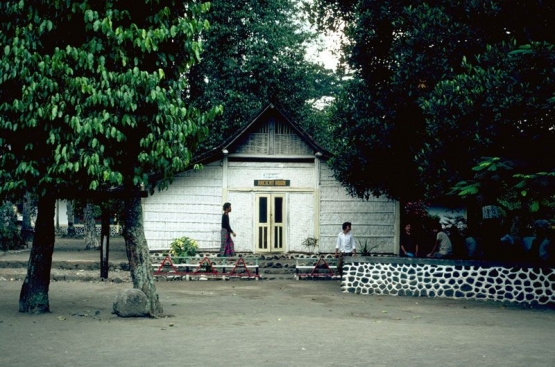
(365, 250)
(183, 247)
(311, 244)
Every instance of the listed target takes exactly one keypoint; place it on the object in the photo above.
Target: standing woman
(228, 247)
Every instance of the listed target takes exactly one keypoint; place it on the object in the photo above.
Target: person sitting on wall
(508, 244)
(345, 246)
(538, 247)
(491, 234)
(409, 247)
(472, 248)
(510, 247)
(442, 248)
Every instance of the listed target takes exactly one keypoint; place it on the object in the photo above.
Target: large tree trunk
(91, 238)
(34, 292)
(138, 253)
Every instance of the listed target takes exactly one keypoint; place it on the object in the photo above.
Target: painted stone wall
(115, 230)
(450, 279)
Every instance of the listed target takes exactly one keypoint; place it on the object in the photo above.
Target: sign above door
(272, 182)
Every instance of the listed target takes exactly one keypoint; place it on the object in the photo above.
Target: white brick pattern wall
(511, 284)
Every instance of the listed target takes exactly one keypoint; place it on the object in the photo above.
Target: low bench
(309, 268)
(225, 267)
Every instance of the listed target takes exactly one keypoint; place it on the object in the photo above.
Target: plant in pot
(364, 249)
(311, 244)
(183, 247)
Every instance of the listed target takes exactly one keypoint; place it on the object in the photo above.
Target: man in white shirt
(345, 246)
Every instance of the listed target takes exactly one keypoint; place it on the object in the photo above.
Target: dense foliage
(438, 89)
(255, 54)
(183, 247)
(91, 97)
(92, 92)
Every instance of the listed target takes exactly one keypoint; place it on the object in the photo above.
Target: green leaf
(534, 206)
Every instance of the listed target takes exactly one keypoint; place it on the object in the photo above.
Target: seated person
(538, 247)
(471, 246)
(409, 247)
(442, 248)
(510, 248)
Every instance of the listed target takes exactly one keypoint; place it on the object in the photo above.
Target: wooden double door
(270, 222)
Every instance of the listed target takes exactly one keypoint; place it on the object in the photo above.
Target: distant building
(281, 191)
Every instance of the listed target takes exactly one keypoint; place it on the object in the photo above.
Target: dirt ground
(270, 323)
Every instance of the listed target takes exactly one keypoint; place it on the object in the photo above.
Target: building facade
(281, 190)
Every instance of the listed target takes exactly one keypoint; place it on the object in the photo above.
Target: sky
(330, 44)
(326, 55)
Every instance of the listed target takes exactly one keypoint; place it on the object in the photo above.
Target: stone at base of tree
(131, 303)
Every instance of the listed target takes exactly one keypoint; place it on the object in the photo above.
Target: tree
(436, 88)
(91, 239)
(255, 53)
(91, 98)
(511, 88)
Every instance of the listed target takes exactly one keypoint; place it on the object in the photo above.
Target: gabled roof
(217, 152)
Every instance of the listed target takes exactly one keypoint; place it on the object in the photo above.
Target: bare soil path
(270, 323)
(257, 323)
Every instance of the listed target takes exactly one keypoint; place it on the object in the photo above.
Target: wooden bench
(226, 267)
(318, 269)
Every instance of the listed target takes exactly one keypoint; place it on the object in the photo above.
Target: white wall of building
(60, 214)
(192, 206)
(374, 221)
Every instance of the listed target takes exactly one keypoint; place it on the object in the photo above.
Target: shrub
(184, 246)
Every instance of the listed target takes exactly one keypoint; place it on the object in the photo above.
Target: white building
(281, 191)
